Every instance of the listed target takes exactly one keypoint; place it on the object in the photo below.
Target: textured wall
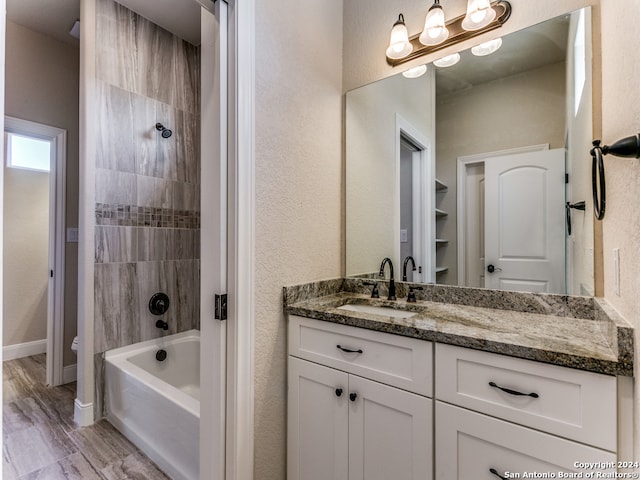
(298, 188)
(25, 255)
(621, 118)
(147, 236)
(42, 86)
(520, 110)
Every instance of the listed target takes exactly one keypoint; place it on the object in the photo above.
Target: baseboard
(20, 350)
(69, 373)
(82, 413)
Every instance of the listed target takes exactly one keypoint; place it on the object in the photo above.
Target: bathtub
(156, 404)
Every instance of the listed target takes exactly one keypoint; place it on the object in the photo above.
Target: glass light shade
(479, 14)
(399, 45)
(486, 48)
(415, 72)
(447, 61)
(435, 29)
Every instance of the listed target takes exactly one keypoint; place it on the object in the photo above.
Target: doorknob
(492, 268)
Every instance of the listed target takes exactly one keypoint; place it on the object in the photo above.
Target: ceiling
(533, 47)
(56, 17)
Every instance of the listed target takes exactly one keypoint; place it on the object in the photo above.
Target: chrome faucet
(404, 267)
(392, 283)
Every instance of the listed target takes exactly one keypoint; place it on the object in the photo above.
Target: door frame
(56, 256)
(423, 176)
(463, 163)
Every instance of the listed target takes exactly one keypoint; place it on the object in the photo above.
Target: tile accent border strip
(134, 216)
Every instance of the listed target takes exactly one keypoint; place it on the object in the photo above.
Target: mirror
(476, 169)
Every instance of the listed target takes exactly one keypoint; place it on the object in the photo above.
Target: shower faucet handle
(162, 324)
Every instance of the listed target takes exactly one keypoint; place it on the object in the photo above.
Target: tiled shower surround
(147, 211)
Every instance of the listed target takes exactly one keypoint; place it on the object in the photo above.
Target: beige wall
(516, 111)
(298, 189)
(25, 256)
(621, 118)
(42, 86)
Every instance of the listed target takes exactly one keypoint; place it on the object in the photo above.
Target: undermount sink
(386, 311)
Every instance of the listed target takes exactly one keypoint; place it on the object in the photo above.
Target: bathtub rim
(119, 358)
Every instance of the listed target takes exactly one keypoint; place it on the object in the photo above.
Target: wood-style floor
(41, 441)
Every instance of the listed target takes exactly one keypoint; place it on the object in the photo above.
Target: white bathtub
(156, 404)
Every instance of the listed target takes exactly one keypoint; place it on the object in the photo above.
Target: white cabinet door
(390, 433)
(318, 425)
(472, 446)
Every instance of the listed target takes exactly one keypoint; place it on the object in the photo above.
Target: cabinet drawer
(403, 362)
(567, 402)
(470, 445)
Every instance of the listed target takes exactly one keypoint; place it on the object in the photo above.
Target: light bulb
(447, 61)
(415, 72)
(435, 29)
(399, 45)
(486, 48)
(479, 14)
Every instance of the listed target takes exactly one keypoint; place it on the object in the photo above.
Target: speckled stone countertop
(577, 332)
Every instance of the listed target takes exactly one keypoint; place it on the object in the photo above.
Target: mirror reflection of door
(523, 222)
(406, 201)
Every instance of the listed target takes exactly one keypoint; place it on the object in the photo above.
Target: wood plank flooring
(41, 441)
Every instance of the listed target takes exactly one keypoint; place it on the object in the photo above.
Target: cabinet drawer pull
(338, 392)
(513, 392)
(493, 470)
(353, 396)
(348, 350)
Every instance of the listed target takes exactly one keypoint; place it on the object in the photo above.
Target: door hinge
(566, 178)
(51, 273)
(221, 306)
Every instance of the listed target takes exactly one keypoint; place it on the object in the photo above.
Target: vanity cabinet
(350, 416)
(518, 416)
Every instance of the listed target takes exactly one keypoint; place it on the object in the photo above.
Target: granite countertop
(577, 332)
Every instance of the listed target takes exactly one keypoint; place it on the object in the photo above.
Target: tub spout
(161, 324)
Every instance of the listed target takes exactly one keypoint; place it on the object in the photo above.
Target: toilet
(74, 345)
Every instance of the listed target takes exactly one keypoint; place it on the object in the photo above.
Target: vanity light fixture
(482, 16)
(415, 72)
(399, 45)
(448, 61)
(486, 48)
(435, 28)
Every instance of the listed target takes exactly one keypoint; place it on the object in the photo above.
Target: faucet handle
(411, 298)
(375, 293)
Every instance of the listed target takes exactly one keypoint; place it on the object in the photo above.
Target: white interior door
(524, 222)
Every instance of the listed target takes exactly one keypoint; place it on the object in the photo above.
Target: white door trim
(57, 208)
(424, 176)
(241, 240)
(213, 232)
(465, 162)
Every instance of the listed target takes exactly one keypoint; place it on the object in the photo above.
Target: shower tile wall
(147, 234)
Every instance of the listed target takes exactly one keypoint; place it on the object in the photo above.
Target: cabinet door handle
(353, 396)
(338, 392)
(513, 392)
(349, 350)
(493, 470)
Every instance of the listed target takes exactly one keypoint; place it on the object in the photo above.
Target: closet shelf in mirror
(441, 242)
(440, 213)
(441, 269)
(441, 187)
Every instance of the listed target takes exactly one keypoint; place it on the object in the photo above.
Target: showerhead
(166, 133)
